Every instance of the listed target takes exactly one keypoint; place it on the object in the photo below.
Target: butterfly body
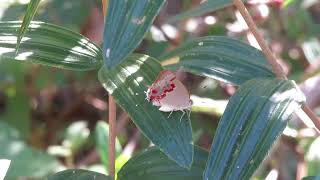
(169, 93)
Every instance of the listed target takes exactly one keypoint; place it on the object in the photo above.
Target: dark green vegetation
(58, 66)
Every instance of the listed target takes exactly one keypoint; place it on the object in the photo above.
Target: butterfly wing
(169, 93)
(165, 76)
(178, 99)
(162, 85)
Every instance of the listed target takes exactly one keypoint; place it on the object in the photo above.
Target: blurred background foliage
(51, 119)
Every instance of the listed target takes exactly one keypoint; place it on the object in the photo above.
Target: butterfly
(169, 93)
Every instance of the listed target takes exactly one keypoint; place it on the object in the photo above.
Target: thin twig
(270, 57)
(112, 119)
(104, 6)
(311, 115)
(253, 28)
(112, 135)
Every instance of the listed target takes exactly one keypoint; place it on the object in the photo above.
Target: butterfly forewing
(169, 93)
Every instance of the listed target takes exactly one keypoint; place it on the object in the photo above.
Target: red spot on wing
(164, 92)
(163, 78)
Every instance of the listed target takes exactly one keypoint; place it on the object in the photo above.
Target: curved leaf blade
(254, 118)
(31, 11)
(78, 174)
(101, 137)
(125, 26)
(153, 164)
(127, 84)
(311, 178)
(221, 58)
(49, 45)
(203, 8)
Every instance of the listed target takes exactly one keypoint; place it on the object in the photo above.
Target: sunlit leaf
(127, 84)
(4, 164)
(31, 11)
(221, 58)
(126, 23)
(153, 164)
(313, 157)
(78, 174)
(255, 116)
(50, 45)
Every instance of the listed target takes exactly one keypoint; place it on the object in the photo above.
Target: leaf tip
(185, 160)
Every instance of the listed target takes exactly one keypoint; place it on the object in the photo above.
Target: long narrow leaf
(312, 178)
(205, 7)
(50, 45)
(126, 23)
(153, 164)
(78, 174)
(102, 145)
(254, 118)
(127, 84)
(221, 58)
(31, 11)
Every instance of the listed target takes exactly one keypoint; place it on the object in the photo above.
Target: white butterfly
(169, 93)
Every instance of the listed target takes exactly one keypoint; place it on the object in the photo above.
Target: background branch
(270, 57)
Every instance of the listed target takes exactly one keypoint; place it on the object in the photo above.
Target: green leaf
(287, 3)
(127, 84)
(126, 24)
(153, 164)
(50, 45)
(102, 138)
(313, 157)
(205, 7)
(31, 11)
(221, 58)
(17, 99)
(78, 174)
(76, 136)
(311, 178)
(254, 118)
(21, 154)
(8, 133)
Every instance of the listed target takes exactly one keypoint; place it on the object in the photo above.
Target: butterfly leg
(183, 113)
(189, 113)
(170, 114)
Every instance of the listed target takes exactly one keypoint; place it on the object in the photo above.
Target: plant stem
(253, 28)
(270, 57)
(311, 115)
(112, 135)
(104, 7)
(112, 118)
